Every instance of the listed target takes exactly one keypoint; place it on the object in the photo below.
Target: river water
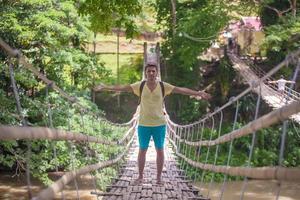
(255, 190)
(15, 189)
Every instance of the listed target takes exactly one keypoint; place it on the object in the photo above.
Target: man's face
(151, 73)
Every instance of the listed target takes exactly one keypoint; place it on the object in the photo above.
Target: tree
(105, 15)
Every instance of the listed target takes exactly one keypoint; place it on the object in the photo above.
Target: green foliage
(105, 15)
(132, 72)
(284, 36)
(269, 16)
(52, 36)
(201, 19)
(225, 75)
(64, 117)
(282, 33)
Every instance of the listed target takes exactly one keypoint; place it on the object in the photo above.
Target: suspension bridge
(196, 145)
(270, 94)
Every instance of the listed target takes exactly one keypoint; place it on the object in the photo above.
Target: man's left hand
(202, 95)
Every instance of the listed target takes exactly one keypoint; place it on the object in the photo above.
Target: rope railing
(267, 120)
(180, 136)
(266, 173)
(33, 133)
(58, 185)
(190, 149)
(50, 133)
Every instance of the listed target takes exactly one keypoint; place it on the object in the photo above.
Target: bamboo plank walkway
(175, 184)
(272, 97)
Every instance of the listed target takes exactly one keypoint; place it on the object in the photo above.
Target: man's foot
(138, 181)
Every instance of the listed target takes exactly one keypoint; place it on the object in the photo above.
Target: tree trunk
(173, 2)
(294, 7)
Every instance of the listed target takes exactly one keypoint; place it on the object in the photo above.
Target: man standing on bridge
(152, 120)
(281, 85)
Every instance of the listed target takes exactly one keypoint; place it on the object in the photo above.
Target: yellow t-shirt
(151, 106)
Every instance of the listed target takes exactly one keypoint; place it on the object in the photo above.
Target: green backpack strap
(162, 87)
(141, 90)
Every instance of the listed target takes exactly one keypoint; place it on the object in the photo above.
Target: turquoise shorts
(158, 134)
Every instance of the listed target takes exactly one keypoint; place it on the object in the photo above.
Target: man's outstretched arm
(186, 91)
(290, 82)
(272, 81)
(116, 88)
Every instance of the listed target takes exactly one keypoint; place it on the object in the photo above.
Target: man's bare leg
(160, 158)
(141, 164)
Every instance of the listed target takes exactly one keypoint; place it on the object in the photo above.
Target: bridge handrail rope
(24, 123)
(13, 133)
(230, 148)
(53, 143)
(267, 173)
(180, 134)
(58, 185)
(22, 59)
(245, 181)
(33, 133)
(265, 121)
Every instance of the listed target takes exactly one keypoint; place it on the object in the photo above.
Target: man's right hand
(99, 87)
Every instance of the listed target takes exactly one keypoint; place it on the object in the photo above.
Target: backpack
(161, 86)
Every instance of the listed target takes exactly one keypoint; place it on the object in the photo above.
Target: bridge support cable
(284, 128)
(190, 147)
(96, 154)
(281, 156)
(294, 78)
(265, 121)
(199, 148)
(53, 143)
(186, 134)
(230, 150)
(24, 124)
(87, 147)
(253, 141)
(216, 153)
(208, 149)
(58, 185)
(188, 137)
(71, 147)
(267, 173)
